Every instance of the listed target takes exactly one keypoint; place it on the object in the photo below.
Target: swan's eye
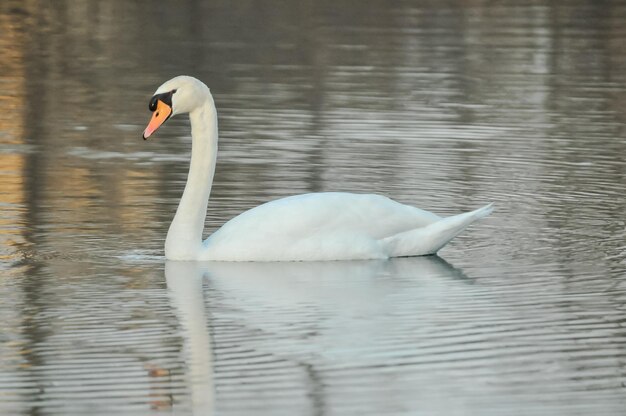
(166, 97)
(153, 103)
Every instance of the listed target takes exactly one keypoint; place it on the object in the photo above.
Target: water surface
(443, 105)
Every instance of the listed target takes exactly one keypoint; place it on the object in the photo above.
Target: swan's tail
(430, 239)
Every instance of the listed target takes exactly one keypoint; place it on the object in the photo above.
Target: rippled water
(443, 105)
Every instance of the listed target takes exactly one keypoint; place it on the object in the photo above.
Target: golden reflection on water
(12, 103)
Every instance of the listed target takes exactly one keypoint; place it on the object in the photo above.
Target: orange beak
(159, 116)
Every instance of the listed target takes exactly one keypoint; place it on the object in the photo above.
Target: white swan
(317, 226)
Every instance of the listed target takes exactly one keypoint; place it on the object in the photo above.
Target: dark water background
(445, 105)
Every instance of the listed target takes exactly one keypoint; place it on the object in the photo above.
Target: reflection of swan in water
(184, 282)
(306, 315)
(318, 282)
(330, 309)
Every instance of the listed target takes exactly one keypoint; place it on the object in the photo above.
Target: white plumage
(316, 226)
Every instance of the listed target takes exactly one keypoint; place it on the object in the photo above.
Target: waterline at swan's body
(318, 226)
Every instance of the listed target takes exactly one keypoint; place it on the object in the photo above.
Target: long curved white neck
(184, 238)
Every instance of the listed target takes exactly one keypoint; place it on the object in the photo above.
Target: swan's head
(181, 94)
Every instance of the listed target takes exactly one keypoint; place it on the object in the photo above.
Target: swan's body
(317, 226)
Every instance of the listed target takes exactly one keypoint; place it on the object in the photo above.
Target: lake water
(446, 105)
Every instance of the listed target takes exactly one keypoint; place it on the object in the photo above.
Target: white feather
(317, 226)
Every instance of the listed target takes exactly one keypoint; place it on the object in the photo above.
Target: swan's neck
(184, 238)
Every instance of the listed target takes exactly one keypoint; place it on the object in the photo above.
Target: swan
(308, 227)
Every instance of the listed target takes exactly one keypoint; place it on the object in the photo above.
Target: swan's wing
(309, 223)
